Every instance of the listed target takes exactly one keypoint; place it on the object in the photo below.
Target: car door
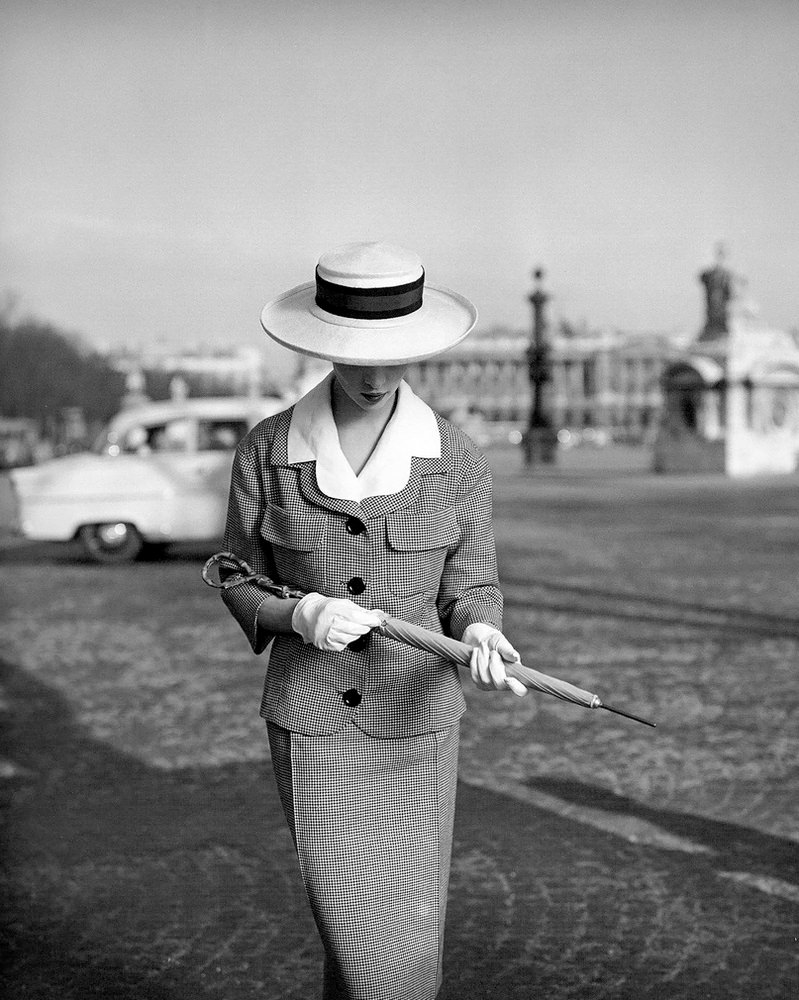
(197, 454)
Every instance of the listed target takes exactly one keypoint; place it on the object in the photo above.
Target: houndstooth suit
(364, 741)
(425, 554)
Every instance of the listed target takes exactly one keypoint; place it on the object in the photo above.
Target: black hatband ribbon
(369, 303)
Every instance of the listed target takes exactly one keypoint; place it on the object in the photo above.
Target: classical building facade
(198, 371)
(606, 380)
(603, 380)
(724, 399)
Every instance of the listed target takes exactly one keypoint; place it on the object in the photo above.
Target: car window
(220, 435)
(134, 440)
(175, 435)
(171, 435)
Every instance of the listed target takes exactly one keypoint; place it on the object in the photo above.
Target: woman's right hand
(331, 623)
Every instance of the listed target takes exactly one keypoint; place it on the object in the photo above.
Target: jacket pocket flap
(302, 532)
(416, 532)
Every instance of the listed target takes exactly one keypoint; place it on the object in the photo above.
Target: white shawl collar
(412, 430)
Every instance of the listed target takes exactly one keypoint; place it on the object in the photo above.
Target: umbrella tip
(628, 715)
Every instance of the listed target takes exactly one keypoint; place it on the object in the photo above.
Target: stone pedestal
(540, 446)
(732, 404)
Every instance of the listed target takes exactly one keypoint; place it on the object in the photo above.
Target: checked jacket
(425, 554)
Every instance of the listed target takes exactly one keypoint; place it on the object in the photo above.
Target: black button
(351, 698)
(359, 644)
(356, 585)
(355, 526)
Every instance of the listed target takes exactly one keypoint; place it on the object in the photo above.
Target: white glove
(331, 623)
(492, 651)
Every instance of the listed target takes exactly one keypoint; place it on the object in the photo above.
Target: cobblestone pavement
(127, 881)
(144, 849)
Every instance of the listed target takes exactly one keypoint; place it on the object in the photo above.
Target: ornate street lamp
(540, 441)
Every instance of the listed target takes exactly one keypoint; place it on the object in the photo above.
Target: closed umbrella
(224, 570)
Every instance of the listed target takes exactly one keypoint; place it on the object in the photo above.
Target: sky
(167, 168)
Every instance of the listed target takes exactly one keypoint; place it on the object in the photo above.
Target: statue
(135, 389)
(134, 382)
(178, 388)
(719, 288)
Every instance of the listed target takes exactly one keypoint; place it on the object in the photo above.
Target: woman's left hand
(490, 654)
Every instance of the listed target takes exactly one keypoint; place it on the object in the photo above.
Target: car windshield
(147, 438)
(220, 435)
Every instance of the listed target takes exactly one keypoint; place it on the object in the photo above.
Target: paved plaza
(145, 851)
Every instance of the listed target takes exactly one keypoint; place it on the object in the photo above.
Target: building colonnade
(607, 381)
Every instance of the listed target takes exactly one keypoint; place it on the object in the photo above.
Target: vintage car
(158, 474)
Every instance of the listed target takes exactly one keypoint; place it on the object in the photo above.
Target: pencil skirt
(372, 824)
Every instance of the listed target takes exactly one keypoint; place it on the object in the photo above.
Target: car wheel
(154, 551)
(111, 543)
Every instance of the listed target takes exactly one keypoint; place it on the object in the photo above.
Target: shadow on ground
(125, 881)
(571, 599)
(17, 550)
(734, 848)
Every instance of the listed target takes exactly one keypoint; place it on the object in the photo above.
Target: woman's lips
(373, 397)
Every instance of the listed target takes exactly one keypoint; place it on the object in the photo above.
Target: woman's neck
(359, 430)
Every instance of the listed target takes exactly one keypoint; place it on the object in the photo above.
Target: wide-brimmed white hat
(369, 305)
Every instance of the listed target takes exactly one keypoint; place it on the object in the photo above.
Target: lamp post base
(540, 446)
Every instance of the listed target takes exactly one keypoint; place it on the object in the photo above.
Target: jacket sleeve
(469, 590)
(246, 506)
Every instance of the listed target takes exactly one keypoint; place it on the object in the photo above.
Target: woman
(363, 497)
